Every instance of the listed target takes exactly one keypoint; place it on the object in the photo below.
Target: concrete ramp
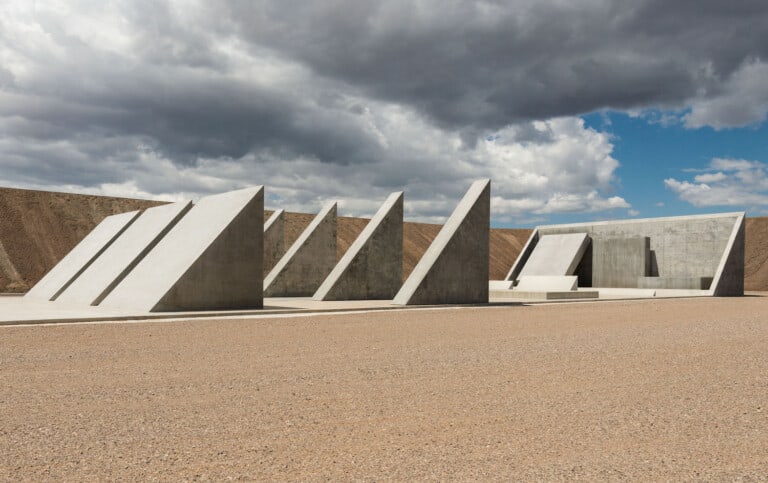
(124, 254)
(274, 239)
(308, 261)
(454, 269)
(210, 260)
(372, 267)
(81, 256)
(556, 255)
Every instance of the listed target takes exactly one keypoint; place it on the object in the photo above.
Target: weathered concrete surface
(694, 283)
(372, 267)
(620, 262)
(556, 254)
(729, 277)
(124, 254)
(681, 247)
(308, 261)
(543, 283)
(501, 295)
(81, 256)
(454, 269)
(500, 285)
(210, 260)
(274, 240)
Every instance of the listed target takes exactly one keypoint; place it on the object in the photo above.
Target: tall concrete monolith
(308, 261)
(210, 260)
(81, 256)
(372, 267)
(454, 269)
(274, 240)
(124, 254)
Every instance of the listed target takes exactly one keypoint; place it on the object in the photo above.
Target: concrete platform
(542, 295)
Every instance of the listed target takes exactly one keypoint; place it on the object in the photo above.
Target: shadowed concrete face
(81, 257)
(308, 262)
(210, 260)
(274, 240)
(372, 267)
(558, 255)
(621, 262)
(454, 269)
(124, 254)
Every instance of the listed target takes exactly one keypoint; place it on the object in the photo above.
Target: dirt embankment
(37, 228)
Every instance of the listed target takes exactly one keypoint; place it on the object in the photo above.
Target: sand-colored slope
(37, 228)
(756, 254)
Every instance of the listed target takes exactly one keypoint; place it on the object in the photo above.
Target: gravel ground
(660, 389)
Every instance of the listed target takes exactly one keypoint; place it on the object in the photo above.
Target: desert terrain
(645, 390)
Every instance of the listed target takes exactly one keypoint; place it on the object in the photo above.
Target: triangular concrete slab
(454, 269)
(372, 267)
(210, 260)
(124, 254)
(81, 256)
(556, 255)
(274, 240)
(308, 261)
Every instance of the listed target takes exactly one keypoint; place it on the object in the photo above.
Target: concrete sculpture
(703, 253)
(123, 254)
(372, 267)
(209, 260)
(81, 256)
(308, 261)
(454, 269)
(274, 239)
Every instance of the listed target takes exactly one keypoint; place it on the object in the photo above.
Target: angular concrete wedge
(210, 260)
(124, 254)
(81, 256)
(372, 268)
(309, 260)
(557, 254)
(454, 269)
(274, 240)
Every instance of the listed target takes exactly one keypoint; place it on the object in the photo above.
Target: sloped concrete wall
(454, 269)
(372, 267)
(274, 240)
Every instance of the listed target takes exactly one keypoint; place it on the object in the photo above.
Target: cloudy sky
(577, 110)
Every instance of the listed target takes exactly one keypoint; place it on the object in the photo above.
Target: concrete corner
(274, 240)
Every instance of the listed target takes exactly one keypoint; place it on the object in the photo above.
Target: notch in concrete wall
(454, 269)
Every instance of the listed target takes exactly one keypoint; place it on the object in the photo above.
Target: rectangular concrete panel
(81, 256)
(124, 254)
(274, 240)
(683, 247)
(454, 269)
(620, 262)
(210, 260)
(308, 261)
(547, 283)
(556, 255)
(372, 267)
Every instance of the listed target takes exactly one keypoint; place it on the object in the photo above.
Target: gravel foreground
(659, 389)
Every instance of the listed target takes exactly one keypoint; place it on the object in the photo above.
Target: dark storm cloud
(493, 63)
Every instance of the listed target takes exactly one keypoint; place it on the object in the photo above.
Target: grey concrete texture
(693, 283)
(210, 260)
(124, 254)
(681, 247)
(308, 261)
(556, 254)
(454, 269)
(372, 267)
(620, 262)
(81, 256)
(274, 240)
(547, 283)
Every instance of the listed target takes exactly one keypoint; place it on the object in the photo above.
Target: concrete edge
(737, 225)
(522, 258)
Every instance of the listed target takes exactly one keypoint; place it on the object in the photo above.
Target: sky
(577, 111)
